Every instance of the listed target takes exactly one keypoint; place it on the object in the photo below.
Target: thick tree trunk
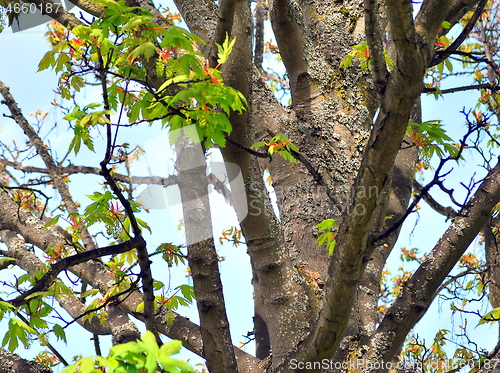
(332, 109)
(351, 168)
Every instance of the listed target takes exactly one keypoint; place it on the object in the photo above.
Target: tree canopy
(344, 162)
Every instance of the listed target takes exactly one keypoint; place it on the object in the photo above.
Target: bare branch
(142, 253)
(202, 258)
(419, 291)
(374, 38)
(70, 261)
(449, 212)
(289, 37)
(462, 89)
(430, 18)
(43, 151)
(274, 77)
(259, 34)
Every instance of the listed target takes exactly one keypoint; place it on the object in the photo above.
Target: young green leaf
(225, 50)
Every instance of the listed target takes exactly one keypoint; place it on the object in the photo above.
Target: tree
(350, 144)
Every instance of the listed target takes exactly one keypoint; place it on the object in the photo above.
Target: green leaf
(326, 224)
(175, 79)
(322, 238)
(187, 292)
(171, 348)
(87, 364)
(327, 237)
(449, 65)
(490, 317)
(5, 307)
(219, 138)
(47, 60)
(225, 50)
(59, 332)
(331, 247)
(170, 364)
(143, 224)
(147, 49)
(61, 62)
(258, 145)
(347, 61)
(140, 307)
(152, 350)
(18, 331)
(52, 221)
(89, 293)
(157, 285)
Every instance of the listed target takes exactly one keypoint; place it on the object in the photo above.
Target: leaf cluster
(126, 47)
(327, 235)
(280, 144)
(143, 356)
(361, 53)
(431, 139)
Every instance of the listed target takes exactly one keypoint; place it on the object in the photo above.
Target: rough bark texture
(355, 165)
(203, 259)
(10, 363)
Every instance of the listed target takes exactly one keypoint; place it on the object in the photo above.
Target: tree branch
(48, 278)
(259, 34)
(419, 291)
(201, 18)
(463, 35)
(374, 38)
(402, 31)
(202, 258)
(430, 18)
(31, 264)
(224, 27)
(43, 152)
(95, 273)
(436, 206)
(57, 13)
(74, 169)
(12, 363)
(89, 7)
(289, 38)
(458, 9)
(465, 88)
(347, 264)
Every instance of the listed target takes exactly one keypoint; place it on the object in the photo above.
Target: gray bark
(12, 363)
(344, 156)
